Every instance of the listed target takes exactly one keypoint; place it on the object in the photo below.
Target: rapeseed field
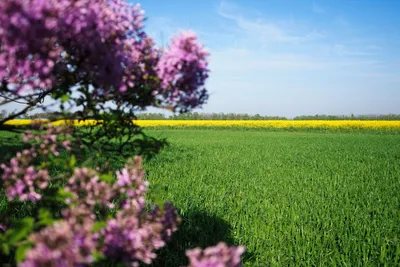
(270, 124)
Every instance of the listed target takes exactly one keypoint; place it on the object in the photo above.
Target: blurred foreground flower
(219, 256)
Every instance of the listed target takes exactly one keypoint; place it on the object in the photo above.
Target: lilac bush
(97, 35)
(103, 43)
(132, 235)
(92, 56)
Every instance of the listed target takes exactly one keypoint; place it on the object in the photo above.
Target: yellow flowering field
(350, 124)
(279, 124)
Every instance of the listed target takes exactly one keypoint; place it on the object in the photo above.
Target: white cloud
(345, 51)
(264, 31)
(233, 60)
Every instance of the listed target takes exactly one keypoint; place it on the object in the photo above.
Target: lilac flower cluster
(21, 179)
(183, 71)
(130, 181)
(49, 142)
(131, 236)
(62, 244)
(100, 41)
(87, 190)
(219, 256)
(134, 234)
(97, 37)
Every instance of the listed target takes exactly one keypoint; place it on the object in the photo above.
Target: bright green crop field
(292, 199)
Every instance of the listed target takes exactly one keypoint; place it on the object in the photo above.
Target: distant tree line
(245, 116)
(220, 116)
(388, 117)
(207, 116)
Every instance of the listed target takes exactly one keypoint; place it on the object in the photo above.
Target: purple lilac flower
(168, 218)
(183, 71)
(49, 142)
(218, 256)
(94, 35)
(130, 182)
(61, 245)
(88, 190)
(20, 177)
(21, 180)
(103, 42)
(133, 236)
(3, 227)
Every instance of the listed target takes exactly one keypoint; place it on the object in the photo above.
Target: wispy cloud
(285, 61)
(265, 31)
(252, 61)
(345, 51)
(269, 45)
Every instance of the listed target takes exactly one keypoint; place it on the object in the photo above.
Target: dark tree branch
(31, 104)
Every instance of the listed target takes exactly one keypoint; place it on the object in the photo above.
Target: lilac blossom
(3, 227)
(103, 42)
(88, 190)
(49, 142)
(98, 37)
(183, 71)
(130, 182)
(61, 244)
(219, 256)
(133, 235)
(21, 179)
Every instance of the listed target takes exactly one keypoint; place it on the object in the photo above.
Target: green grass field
(298, 199)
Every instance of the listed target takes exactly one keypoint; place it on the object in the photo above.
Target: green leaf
(21, 251)
(43, 165)
(107, 177)
(58, 161)
(98, 226)
(21, 230)
(45, 217)
(72, 161)
(98, 256)
(62, 195)
(88, 162)
(65, 98)
(5, 248)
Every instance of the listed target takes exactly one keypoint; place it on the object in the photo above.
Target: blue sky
(293, 57)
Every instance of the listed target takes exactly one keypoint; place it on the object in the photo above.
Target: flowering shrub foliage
(99, 42)
(21, 178)
(102, 40)
(94, 57)
(131, 235)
